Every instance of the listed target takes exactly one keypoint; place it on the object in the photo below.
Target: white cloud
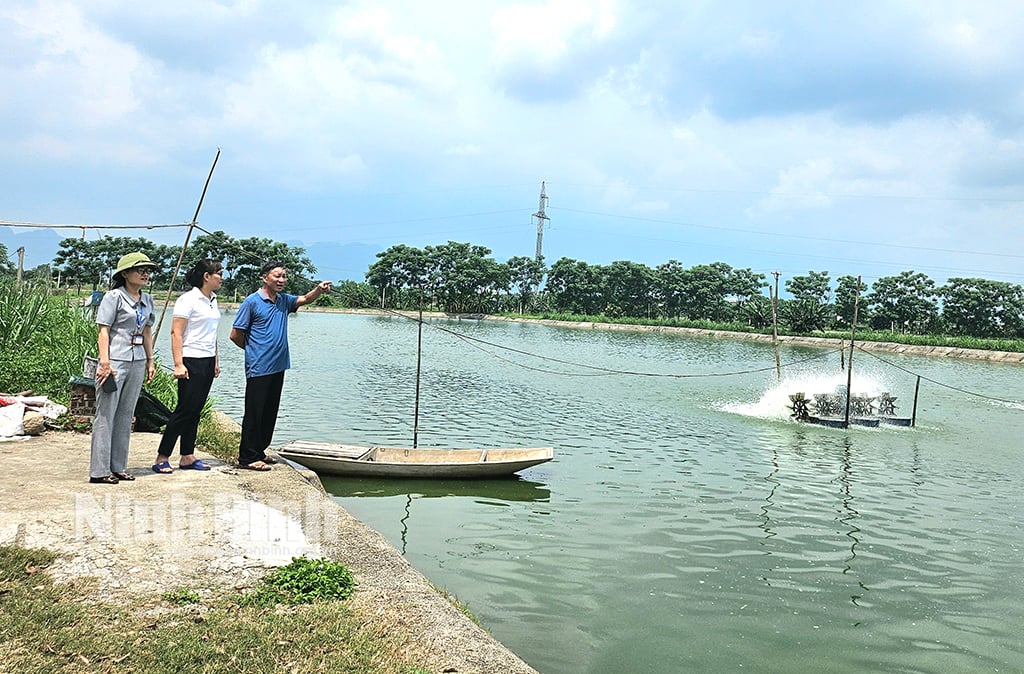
(544, 34)
(718, 115)
(467, 150)
(548, 50)
(95, 75)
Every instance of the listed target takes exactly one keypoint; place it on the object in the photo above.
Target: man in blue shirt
(261, 328)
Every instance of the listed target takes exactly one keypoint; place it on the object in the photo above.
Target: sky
(863, 138)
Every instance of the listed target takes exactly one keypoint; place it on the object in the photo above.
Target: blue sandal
(163, 467)
(195, 465)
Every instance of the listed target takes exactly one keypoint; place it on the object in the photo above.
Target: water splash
(774, 402)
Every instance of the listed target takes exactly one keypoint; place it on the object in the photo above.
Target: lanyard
(140, 312)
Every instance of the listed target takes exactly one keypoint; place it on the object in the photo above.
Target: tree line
(460, 277)
(86, 264)
(464, 278)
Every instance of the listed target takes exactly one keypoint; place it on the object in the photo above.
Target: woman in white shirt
(196, 363)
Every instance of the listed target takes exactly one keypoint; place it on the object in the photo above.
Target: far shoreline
(1010, 357)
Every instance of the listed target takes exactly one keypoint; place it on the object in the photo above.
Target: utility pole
(541, 219)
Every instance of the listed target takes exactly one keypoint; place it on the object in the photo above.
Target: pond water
(685, 524)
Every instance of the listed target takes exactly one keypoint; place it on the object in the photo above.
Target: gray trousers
(112, 428)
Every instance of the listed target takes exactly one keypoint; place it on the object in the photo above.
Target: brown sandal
(256, 465)
(126, 477)
(106, 479)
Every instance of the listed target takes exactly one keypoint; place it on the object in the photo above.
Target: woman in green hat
(124, 317)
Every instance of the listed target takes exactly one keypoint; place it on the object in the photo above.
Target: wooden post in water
(913, 416)
(419, 354)
(775, 324)
(849, 362)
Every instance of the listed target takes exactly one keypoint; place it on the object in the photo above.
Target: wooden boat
(332, 459)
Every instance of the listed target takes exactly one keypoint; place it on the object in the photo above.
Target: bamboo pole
(917, 387)
(181, 256)
(419, 358)
(849, 362)
(775, 325)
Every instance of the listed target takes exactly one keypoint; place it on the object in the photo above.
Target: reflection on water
(494, 493)
(677, 530)
(510, 489)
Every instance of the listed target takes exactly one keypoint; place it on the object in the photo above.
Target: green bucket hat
(132, 261)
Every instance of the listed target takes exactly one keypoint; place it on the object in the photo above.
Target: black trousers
(262, 400)
(192, 394)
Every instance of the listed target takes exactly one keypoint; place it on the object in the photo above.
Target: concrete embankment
(823, 342)
(220, 531)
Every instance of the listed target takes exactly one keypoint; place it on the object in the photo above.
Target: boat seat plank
(326, 449)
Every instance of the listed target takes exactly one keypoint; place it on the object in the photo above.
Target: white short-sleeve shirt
(202, 317)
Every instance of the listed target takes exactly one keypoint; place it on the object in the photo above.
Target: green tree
(703, 290)
(814, 286)
(573, 287)
(903, 303)
(356, 295)
(463, 277)
(525, 275)
(981, 308)
(39, 274)
(847, 290)
(743, 285)
(249, 255)
(805, 315)
(627, 289)
(757, 310)
(397, 275)
(668, 288)
(93, 263)
(7, 268)
(79, 263)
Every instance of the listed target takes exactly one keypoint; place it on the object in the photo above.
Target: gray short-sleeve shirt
(126, 319)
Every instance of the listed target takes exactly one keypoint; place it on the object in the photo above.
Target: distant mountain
(340, 261)
(40, 245)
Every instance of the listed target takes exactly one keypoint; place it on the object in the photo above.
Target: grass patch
(219, 439)
(303, 581)
(182, 596)
(46, 627)
(43, 339)
(457, 603)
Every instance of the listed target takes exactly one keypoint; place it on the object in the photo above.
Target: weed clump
(303, 581)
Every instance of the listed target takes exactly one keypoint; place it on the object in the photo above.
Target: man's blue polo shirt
(265, 322)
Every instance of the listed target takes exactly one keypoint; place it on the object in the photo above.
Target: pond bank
(220, 531)
(823, 342)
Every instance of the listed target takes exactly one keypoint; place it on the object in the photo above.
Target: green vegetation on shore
(457, 277)
(44, 338)
(49, 627)
(862, 335)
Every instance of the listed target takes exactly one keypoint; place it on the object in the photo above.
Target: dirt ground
(224, 528)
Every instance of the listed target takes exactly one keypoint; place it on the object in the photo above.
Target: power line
(38, 225)
(939, 383)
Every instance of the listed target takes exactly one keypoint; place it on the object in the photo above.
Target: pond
(686, 523)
